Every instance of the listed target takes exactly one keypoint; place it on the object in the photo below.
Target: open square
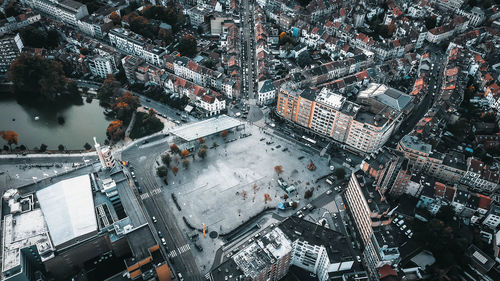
(230, 185)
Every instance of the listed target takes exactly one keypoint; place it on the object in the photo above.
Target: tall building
(372, 217)
(102, 66)
(364, 125)
(10, 47)
(67, 11)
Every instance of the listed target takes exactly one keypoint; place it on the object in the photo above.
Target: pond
(35, 126)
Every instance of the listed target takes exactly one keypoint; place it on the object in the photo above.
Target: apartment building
(102, 65)
(11, 24)
(294, 241)
(127, 41)
(364, 125)
(480, 176)
(99, 23)
(449, 4)
(130, 64)
(372, 217)
(67, 11)
(10, 47)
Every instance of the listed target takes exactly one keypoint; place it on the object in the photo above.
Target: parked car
(154, 219)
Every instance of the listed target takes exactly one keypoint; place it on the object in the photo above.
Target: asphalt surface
(142, 158)
(248, 58)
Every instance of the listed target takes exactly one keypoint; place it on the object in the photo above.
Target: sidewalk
(45, 155)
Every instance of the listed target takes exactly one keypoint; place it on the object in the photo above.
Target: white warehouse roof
(68, 208)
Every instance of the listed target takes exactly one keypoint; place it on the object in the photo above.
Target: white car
(154, 219)
(329, 192)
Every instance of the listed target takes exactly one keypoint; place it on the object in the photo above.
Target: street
(142, 158)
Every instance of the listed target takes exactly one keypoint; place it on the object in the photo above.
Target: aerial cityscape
(240, 140)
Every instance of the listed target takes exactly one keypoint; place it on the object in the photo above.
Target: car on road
(133, 175)
(154, 219)
(180, 276)
(329, 192)
(358, 258)
(148, 100)
(159, 234)
(163, 242)
(145, 142)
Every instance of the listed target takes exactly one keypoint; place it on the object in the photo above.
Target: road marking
(144, 196)
(172, 253)
(184, 248)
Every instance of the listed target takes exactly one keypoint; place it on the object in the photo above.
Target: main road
(143, 157)
(248, 58)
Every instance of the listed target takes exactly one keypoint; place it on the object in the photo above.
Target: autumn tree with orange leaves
(10, 137)
(115, 17)
(185, 153)
(115, 130)
(125, 105)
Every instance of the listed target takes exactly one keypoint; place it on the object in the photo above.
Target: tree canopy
(40, 81)
(115, 130)
(187, 46)
(108, 89)
(39, 38)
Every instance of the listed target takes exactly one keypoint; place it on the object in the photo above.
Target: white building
(102, 66)
(493, 218)
(15, 23)
(67, 11)
(127, 41)
(266, 92)
(212, 104)
(10, 47)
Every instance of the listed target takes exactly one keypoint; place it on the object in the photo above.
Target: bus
(309, 140)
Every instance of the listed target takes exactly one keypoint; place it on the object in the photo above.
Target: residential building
(480, 176)
(127, 41)
(99, 23)
(372, 217)
(363, 126)
(449, 4)
(269, 255)
(493, 216)
(102, 65)
(130, 64)
(10, 47)
(14, 23)
(67, 11)
(198, 15)
(266, 92)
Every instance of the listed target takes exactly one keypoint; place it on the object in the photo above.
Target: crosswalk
(179, 251)
(149, 194)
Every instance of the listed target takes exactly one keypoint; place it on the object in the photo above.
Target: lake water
(82, 123)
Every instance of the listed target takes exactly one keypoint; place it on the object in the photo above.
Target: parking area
(238, 180)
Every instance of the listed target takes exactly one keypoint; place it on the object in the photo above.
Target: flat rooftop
(68, 208)
(205, 128)
(22, 231)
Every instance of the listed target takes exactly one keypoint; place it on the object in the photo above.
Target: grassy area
(145, 124)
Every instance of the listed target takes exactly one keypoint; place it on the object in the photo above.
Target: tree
(278, 169)
(285, 196)
(166, 159)
(430, 22)
(115, 17)
(140, 25)
(294, 205)
(115, 130)
(340, 173)
(175, 170)
(446, 214)
(60, 120)
(185, 163)
(108, 89)
(308, 194)
(162, 171)
(22, 147)
(87, 146)
(125, 105)
(304, 59)
(202, 153)
(43, 147)
(188, 46)
(224, 134)
(184, 153)
(10, 137)
(60, 147)
(267, 197)
(201, 140)
(40, 81)
(174, 148)
(244, 194)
